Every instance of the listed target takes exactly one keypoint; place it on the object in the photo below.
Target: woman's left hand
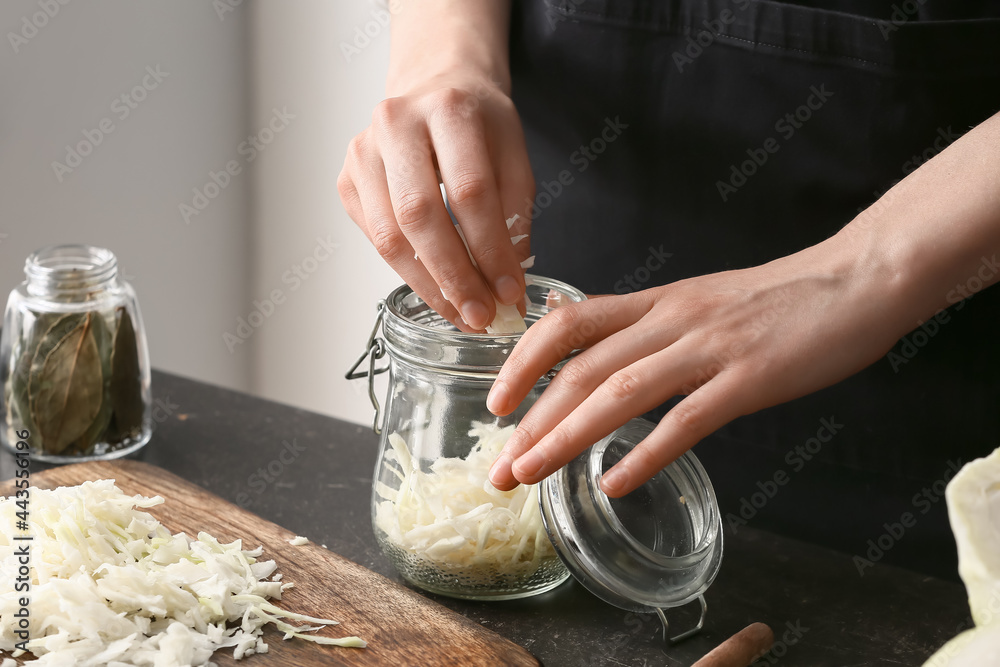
(733, 342)
(740, 341)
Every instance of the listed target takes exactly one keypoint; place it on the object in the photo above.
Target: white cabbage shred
(111, 586)
(508, 319)
(455, 518)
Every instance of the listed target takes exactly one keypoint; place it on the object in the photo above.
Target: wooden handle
(741, 649)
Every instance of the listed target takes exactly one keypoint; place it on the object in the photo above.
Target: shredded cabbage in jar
(111, 586)
(454, 517)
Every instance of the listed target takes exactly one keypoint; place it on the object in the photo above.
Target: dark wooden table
(312, 474)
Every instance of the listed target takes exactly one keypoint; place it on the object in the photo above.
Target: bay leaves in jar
(45, 333)
(126, 379)
(98, 429)
(16, 391)
(66, 385)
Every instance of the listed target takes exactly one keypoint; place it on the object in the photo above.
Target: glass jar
(447, 530)
(436, 516)
(73, 359)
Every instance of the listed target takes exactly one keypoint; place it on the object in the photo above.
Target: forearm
(434, 37)
(931, 240)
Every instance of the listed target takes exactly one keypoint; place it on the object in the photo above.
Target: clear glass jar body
(73, 359)
(436, 516)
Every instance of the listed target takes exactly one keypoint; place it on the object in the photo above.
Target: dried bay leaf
(47, 330)
(126, 379)
(16, 391)
(98, 429)
(66, 392)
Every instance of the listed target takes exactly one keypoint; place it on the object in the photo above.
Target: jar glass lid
(658, 547)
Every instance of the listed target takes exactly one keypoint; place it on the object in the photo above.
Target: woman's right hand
(460, 129)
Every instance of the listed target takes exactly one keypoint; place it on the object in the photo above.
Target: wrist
(440, 39)
(903, 271)
(453, 70)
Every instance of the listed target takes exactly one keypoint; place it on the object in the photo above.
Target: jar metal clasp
(374, 350)
(670, 641)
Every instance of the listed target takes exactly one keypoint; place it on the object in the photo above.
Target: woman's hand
(740, 341)
(463, 127)
(733, 342)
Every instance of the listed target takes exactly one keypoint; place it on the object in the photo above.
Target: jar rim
(70, 268)
(417, 334)
(603, 554)
(395, 300)
(686, 464)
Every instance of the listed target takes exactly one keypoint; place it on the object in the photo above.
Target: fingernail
(508, 290)
(498, 398)
(614, 482)
(500, 475)
(529, 464)
(476, 314)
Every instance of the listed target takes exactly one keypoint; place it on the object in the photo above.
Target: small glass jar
(73, 359)
(436, 516)
(447, 530)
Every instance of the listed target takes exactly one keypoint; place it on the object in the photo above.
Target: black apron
(671, 139)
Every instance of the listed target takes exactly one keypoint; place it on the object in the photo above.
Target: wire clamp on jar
(374, 350)
(670, 641)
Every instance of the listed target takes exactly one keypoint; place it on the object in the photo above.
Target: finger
(627, 393)
(348, 191)
(551, 339)
(421, 216)
(574, 382)
(471, 186)
(713, 405)
(372, 211)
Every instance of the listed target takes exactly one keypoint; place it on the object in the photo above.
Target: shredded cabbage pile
(111, 586)
(454, 517)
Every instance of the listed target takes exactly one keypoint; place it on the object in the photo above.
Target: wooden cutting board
(402, 628)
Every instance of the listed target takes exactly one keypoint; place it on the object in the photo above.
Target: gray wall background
(225, 67)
